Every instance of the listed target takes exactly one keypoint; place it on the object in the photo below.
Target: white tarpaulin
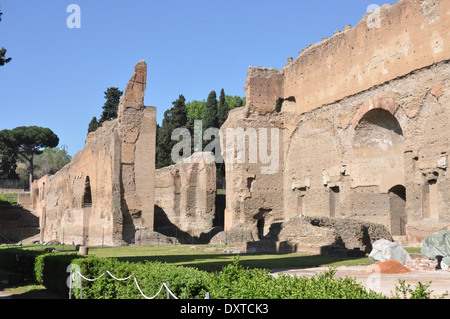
(383, 250)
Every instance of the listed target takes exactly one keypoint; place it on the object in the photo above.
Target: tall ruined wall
(137, 128)
(107, 191)
(185, 196)
(387, 43)
(362, 127)
(83, 199)
(344, 166)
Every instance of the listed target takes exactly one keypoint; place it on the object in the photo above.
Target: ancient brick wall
(107, 194)
(107, 191)
(185, 197)
(362, 127)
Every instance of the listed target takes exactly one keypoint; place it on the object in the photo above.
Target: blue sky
(58, 74)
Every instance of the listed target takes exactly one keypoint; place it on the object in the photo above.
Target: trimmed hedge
(51, 271)
(19, 260)
(185, 282)
(233, 282)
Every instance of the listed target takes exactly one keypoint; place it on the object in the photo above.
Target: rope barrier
(122, 279)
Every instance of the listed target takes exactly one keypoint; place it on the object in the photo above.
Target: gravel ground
(384, 283)
(4, 294)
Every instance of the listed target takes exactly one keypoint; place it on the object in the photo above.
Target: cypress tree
(112, 96)
(210, 118)
(93, 125)
(222, 110)
(173, 118)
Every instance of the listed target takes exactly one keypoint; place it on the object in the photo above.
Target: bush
(185, 283)
(19, 261)
(50, 270)
(235, 282)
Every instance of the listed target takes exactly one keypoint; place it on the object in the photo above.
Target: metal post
(167, 288)
(104, 285)
(208, 295)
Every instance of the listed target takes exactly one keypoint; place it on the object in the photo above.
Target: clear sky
(58, 74)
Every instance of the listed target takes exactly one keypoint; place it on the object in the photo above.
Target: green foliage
(19, 261)
(8, 156)
(233, 282)
(222, 109)
(3, 60)
(176, 117)
(210, 118)
(421, 291)
(26, 141)
(93, 125)
(236, 282)
(110, 108)
(50, 270)
(31, 139)
(278, 105)
(49, 162)
(195, 109)
(235, 101)
(185, 283)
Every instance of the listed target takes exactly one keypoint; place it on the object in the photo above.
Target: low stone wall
(315, 235)
(422, 264)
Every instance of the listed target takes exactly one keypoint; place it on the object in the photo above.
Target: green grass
(204, 257)
(8, 199)
(212, 257)
(27, 290)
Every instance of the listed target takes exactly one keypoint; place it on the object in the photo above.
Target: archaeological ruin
(344, 145)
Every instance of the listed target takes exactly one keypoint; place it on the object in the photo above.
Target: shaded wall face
(80, 199)
(137, 166)
(365, 113)
(378, 148)
(185, 197)
(253, 154)
(388, 166)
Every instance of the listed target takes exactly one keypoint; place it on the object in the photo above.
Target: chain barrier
(74, 274)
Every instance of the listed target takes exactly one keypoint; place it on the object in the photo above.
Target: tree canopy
(3, 59)
(112, 96)
(183, 114)
(26, 141)
(222, 109)
(110, 109)
(174, 117)
(210, 118)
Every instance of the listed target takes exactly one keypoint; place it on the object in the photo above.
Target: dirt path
(383, 283)
(4, 294)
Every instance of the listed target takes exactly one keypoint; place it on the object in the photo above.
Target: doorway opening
(397, 204)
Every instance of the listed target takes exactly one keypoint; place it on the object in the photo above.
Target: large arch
(312, 155)
(377, 170)
(378, 147)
